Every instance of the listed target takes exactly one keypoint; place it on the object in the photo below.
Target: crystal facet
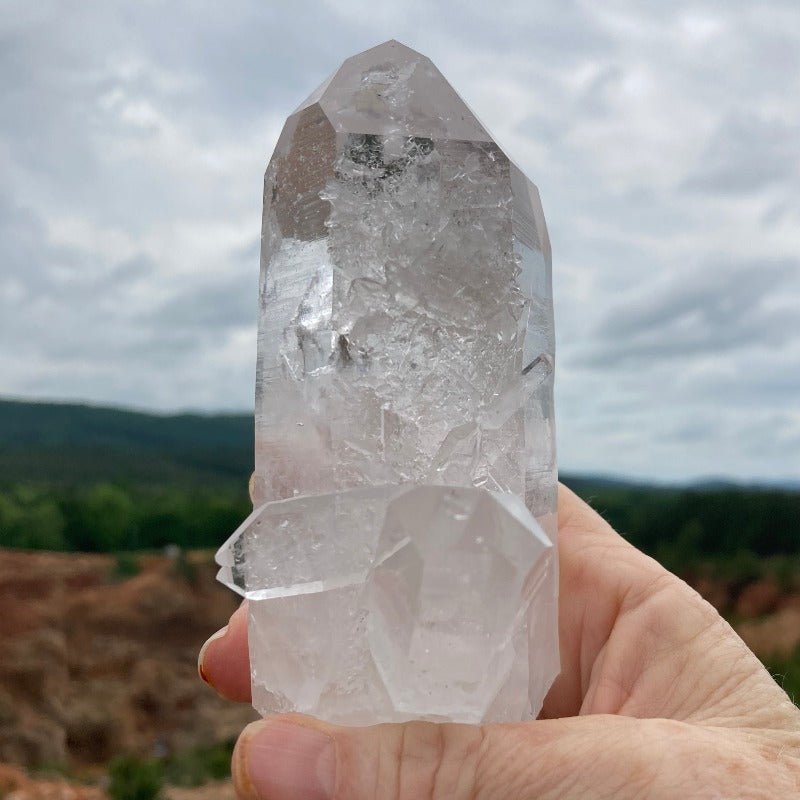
(403, 413)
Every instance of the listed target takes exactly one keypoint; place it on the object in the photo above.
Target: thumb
(300, 758)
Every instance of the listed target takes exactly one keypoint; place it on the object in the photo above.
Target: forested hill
(74, 444)
(81, 477)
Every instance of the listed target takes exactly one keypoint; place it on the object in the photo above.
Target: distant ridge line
(67, 441)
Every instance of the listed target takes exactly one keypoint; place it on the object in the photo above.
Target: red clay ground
(93, 664)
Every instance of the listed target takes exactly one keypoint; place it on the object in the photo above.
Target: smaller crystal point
(303, 545)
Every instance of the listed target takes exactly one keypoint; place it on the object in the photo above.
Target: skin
(658, 698)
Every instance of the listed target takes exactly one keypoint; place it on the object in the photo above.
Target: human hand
(658, 698)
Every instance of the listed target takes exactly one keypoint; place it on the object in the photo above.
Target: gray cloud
(215, 307)
(713, 308)
(747, 152)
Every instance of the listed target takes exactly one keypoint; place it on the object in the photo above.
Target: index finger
(224, 660)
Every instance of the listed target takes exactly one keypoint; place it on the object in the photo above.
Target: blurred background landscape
(116, 516)
(133, 139)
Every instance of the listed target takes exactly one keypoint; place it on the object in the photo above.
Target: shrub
(133, 778)
(126, 566)
(199, 765)
(30, 519)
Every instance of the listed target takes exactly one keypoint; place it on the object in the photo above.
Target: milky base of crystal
(404, 602)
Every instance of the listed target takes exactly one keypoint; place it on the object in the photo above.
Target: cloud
(224, 304)
(133, 139)
(708, 309)
(747, 153)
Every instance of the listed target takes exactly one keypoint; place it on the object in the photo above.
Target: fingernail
(285, 761)
(201, 655)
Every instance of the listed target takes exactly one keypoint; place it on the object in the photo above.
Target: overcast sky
(664, 137)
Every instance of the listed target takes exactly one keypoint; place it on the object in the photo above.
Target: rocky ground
(15, 784)
(98, 657)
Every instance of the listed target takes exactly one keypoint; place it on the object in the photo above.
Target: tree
(107, 519)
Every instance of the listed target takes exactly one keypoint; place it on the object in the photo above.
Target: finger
(300, 758)
(576, 515)
(628, 628)
(224, 660)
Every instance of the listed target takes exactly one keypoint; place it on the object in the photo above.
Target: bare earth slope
(93, 665)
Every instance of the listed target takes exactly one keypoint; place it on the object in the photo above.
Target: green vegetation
(735, 528)
(127, 565)
(110, 518)
(105, 480)
(199, 765)
(682, 526)
(132, 778)
(63, 444)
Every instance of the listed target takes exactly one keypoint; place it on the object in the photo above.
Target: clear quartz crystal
(400, 562)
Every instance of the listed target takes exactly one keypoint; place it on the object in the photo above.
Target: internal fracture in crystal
(403, 413)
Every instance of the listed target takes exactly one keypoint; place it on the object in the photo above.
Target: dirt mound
(99, 658)
(212, 791)
(95, 664)
(16, 785)
(765, 615)
(758, 598)
(776, 635)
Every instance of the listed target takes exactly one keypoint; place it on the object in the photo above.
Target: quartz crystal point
(400, 561)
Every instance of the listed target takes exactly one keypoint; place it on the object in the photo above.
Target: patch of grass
(126, 565)
(738, 569)
(132, 778)
(199, 765)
